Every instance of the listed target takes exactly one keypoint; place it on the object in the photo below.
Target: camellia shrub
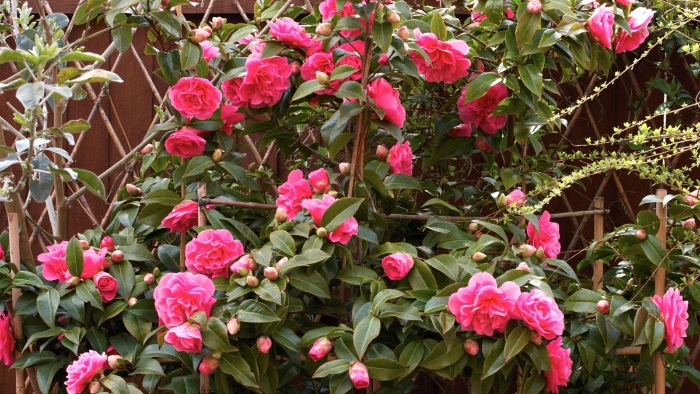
(379, 257)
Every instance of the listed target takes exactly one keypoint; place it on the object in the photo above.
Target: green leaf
(312, 283)
(384, 369)
(30, 94)
(122, 38)
(384, 296)
(364, 334)
(334, 367)
(340, 211)
(47, 305)
(87, 292)
(215, 336)
(350, 89)
(583, 301)
(412, 355)
(77, 56)
(401, 181)
(381, 33)
(45, 374)
(655, 331)
(654, 251)
(96, 75)
(441, 357)
(115, 308)
(527, 26)
(125, 276)
(494, 12)
(148, 366)
(516, 342)
(306, 258)
(168, 22)
(284, 242)
(93, 184)
(438, 27)
(269, 291)
(190, 55)
(251, 311)
(531, 77)
(136, 325)
(27, 279)
(233, 364)
(74, 257)
(480, 85)
(307, 88)
(495, 360)
(342, 72)
(115, 383)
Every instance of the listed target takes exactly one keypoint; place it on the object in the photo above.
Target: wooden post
(204, 384)
(598, 232)
(13, 221)
(660, 289)
(183, 235)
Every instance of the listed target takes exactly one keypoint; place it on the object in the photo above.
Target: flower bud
(322, 77)
(271, 273)
(113, 361)
(94, 387)
(233, 326)
(359, 375)
(146, 149)
(523, 266)
(344, 168)
(534, 6)
(133, 190)
(603, 306)
(73, 281)
(156, 271)
(84, 244)
(478, 256)
(149, 279)
(198, 35)
(217, 155)
(324, 29)
(107, 243)
(332, 193)
(691, 199)
(382, 152)
(640, 234)
(403, 33)
(280, 215)
(106, 264)
(502, 200)
(242, 271)
(527, 250)
(536, 338)
(540, 253)
(117, 256)
(320, 348)
(217, 22)
(264, 343)
(482, 144)
(296, 68)
(473, 227)
(252, 281)
(281, 263)
(132, 301)
(208, 365)
(689, 224)
(321, 232)
(471, 347)
(392, 17)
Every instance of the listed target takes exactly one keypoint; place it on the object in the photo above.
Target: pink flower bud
(536, 338)
(382, 152)
(281, 263)
(232, 326)
(107, 243)
(344, 168)
(320, 348)
(689, 224)
(482, 144)
(534, 6)
(603, 306)
(321, 232)
(252, 281)
(208, 365)
(640, 234)
(523, 266)
(540, 253)
(324, 29)
(473, 227)
(403, 33)
(271, 273)
(359, 375)
(84, 244)
(691, 199)
(296, 68)
(73, 281)
(146, 149)
(478, 256)
(113, 361)
(471, 347)
(527, 250)
(383, 59)
(199, 35)
(392, 17)
(515, 197)
(322, 77)
(217, 23)
(117, 256)
(319, 180)
(131, 301)
(94, 387)
(149, 279)
(264, 343)
(280, 215)
(133, 190)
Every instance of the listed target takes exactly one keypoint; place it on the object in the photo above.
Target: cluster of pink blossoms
(546, 238)
(601, 26)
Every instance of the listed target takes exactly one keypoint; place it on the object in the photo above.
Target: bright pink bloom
(292, 193)
(397, 265)
(329, 9)
(7, 338)
(289, 32)
(54, 263)
(93, 261)
(359, 375)
(317, 207)
(2, 253)
(386, 98)
(482, 307)
(244, 262)
(195, 97)
(516, 197)
(509, 13)
(185, 143)
(478, 112)
(560, 362)
(323, 62)
(230, 116)
(182, 218)
(320, 348)
(674, 314)
(185, 338)
(212, 252)
(208, 365)
(448, 59)
(462, 130)
(401, 158)
(88, 366)
(600, 26)
(624, 2)
(541, 313)
(209, 51)
(106, 284)
(319, 180)
(263, 85)
(180, 295)
(264, 343)
(638, 20)
(355, 49)
(547, 238)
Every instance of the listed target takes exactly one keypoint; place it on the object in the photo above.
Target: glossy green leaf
(365, 332)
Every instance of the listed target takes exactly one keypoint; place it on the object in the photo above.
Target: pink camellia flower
(264, 343)
(106, 284)
(185, 143)
(359, 375)
(212, 252)
(7, 339)
(180, 295)
(386, 97)
(230, 116)
(319, 180)
(292, 193)
(317, 207)
(209, 51)
(320, 348)
(208, 365)
(329, 9)
(624, 2)
(448, 59)
(516, 197)
(638, 20)
(547, 238)
(2, 253)
(289, 32)
(88, 366)
(182, 218)
(692, 198)
(263, 85)
(541, 313)
(600, 26)
(93, 261)
(482, 307)
(478, 112)
(397, 265)
(185, 338)
(560, 363)
(674, 314)
(195, 97)
(355, 50)
(54, 263)
(323, 62)
(200, 34)
(401, 158)
(244, 262)
(462, 130)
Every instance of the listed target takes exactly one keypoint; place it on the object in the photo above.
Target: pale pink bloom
(209, 50)
(244, 262)
(359, 375)
(478, 112)
(263, 85)
(401, 158)
(182, 218)
(448, 59)
(195, 97)
(230, 116)
(93, 261)
(288, 31)
(106, 285)
(211, 253)
(292, 193)
(541, 313)
(547, 238)
(319, 180)
(264, 343)
(600, 26)
(317, 207)
(386, 97)
(397, 265)
(185, 143)
(180, 295)
(516, 197)
(482, 307)
(88, 366)
(7, 338)
(560, 366)
(320, 348)
(638, 20)
(54, 265)
(208, 365)
(674, 314)
(185, 338)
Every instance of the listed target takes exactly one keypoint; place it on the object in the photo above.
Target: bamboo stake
(13, 220)
(660, 288)
(183, 235)
(598, 232)
(202, 212)
(629, 351)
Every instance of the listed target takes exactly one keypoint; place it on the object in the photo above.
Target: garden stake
(660, 288)
(598, 233)
(13, 220)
